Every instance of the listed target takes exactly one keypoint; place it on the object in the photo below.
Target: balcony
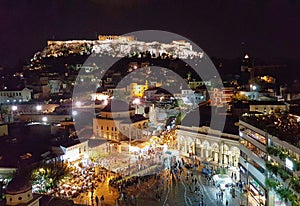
(252, 155)
(253, 171)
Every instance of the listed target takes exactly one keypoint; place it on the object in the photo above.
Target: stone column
(221, 150)
(194, 146)
(230, 159)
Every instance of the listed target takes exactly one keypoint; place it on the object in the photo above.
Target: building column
(178, 143)
(201, 151)
(230, 159)
(206, 153)
(194, 146)
(221, 153)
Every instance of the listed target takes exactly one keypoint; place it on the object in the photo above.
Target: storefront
(243, 174)
(257, 194)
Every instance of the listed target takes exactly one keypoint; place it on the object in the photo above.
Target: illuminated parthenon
(119, 46)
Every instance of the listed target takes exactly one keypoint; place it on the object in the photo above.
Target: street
(164, 189)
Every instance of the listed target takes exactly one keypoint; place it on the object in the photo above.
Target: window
(101, 127)
(19, 198)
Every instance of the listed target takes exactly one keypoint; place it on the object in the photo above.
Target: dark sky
(267, 28)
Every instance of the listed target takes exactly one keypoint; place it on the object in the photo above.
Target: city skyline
(148, 102)
(266, 30)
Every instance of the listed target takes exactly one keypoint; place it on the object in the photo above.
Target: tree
(97, 155)
(240, 97)
(48, 174)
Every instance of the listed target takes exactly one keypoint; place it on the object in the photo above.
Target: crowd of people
(81, 180)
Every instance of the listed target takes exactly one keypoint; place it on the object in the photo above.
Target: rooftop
(135, 118)
(285, 127)
(266, 103)
(203, 115)
(117, 106)
(17, 185)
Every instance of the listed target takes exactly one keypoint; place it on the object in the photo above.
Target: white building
(190, 97)
(117, 121)
(11, 96)
(208, 145)
(72, 151)
(268, 107)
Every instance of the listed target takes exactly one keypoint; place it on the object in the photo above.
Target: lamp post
(247, 183)
(129, 146)
(38, 108)
(136, 102)
(14, 109)
(74, 113)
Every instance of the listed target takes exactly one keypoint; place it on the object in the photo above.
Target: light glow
(78, 104)
(136, 101)
(289, 164)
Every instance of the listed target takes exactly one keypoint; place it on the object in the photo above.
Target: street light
(129, 146)
(78, 104)
(14, 108)
(44, 119)
(74, 113)
(38, 107)
(136, 102)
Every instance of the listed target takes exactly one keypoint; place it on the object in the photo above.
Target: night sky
(265, 28)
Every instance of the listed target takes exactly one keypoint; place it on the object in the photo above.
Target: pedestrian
(226, 203)
(92, 199)
(102, 200)
(97, 200)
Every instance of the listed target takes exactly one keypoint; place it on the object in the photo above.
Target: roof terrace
(284, 126)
